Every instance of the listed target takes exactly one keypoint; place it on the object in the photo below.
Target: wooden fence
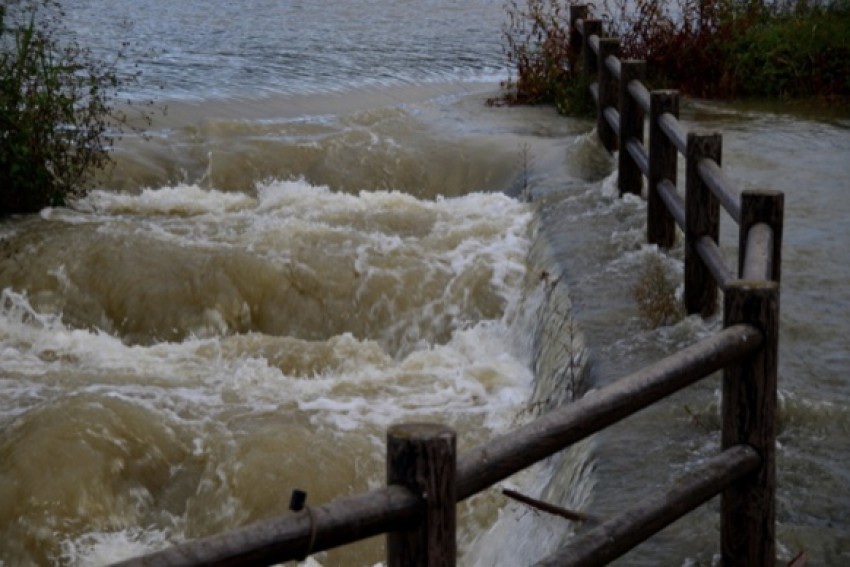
(426, 479)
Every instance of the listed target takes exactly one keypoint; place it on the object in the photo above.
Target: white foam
(475, 374)
(180, 200)
(477, 379)
(476, 228)
(106, 548)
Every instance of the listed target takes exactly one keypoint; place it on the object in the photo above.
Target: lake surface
(329, 232)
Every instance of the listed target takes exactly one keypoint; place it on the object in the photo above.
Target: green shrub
(57, 118)
(802, 51)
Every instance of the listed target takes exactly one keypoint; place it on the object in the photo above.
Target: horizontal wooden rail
(294, 536)
(639, 155)
(593, 42)
(728, 195)
(498, 459)
(670, 125)
(612, 116)
(673, 201)
(759, 253)
(640, 94)
(615, 537)
(613, 64)
(709, 251)
(579, 23)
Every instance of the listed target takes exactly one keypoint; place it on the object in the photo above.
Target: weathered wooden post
(609, 92)
(748, 508)
(702, 218)
(630, 177)
(663, 164)
(762, 206)
(591, 28)
(576, 41)
(422, 457)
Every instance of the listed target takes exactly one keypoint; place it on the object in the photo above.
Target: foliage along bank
(707, 48)
(58, 116)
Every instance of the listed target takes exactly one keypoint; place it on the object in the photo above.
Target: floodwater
(329, 232)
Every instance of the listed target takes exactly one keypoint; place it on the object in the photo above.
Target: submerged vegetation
(709, 48)
(655, 294)
(58, 115)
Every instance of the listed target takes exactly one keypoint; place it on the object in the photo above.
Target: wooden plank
(422, 457)
(615, 537)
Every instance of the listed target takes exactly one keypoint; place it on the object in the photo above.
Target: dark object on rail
(549, 508)
(297, 500)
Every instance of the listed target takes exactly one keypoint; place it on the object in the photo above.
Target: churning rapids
(330, 232)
